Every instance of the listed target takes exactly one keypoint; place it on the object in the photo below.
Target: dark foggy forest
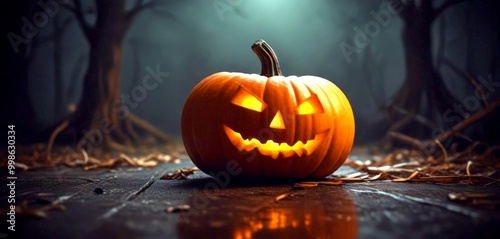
(411, 69)
(175, 118)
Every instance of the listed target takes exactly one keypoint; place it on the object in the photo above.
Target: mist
(193, 39)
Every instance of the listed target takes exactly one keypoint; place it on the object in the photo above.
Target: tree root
(468, 121)
(491, 150)
(149, 128)
(415, 143)
(130, 129)
(418, 118)
(391, 132)
(112, 144)
(114, 140)
(429, 146)
(443, 150)
(52, 138)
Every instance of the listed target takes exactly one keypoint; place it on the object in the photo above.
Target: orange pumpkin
(267, 125)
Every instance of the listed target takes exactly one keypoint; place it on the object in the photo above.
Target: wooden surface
(135, 199)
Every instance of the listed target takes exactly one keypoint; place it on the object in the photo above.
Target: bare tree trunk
(98, 117)
(422, 82)
(102, 80)
(418, 62)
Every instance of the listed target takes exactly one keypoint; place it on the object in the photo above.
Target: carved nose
(277, 122)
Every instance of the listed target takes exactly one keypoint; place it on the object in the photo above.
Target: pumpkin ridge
(305, 142)
(350, 130)
(188, 117)
(344, 141)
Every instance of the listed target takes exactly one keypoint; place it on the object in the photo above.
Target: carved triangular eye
(310, 106)
(248, 100)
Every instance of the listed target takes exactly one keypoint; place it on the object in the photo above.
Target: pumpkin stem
(268, 59)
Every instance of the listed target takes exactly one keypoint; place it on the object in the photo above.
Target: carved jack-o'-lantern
(267, 125)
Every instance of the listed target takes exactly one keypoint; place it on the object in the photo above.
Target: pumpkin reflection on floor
(288, 222)
(295, 217)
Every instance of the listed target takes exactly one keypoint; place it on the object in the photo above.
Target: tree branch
(77, 10)
(415, 143)
(150, 128)
(438, 11)
(425, 146)
(468, 121)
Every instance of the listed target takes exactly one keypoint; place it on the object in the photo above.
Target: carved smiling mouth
(273, 149)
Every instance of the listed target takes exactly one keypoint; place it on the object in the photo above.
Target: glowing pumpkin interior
(248, 100)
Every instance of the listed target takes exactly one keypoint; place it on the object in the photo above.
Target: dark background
(192, 39)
